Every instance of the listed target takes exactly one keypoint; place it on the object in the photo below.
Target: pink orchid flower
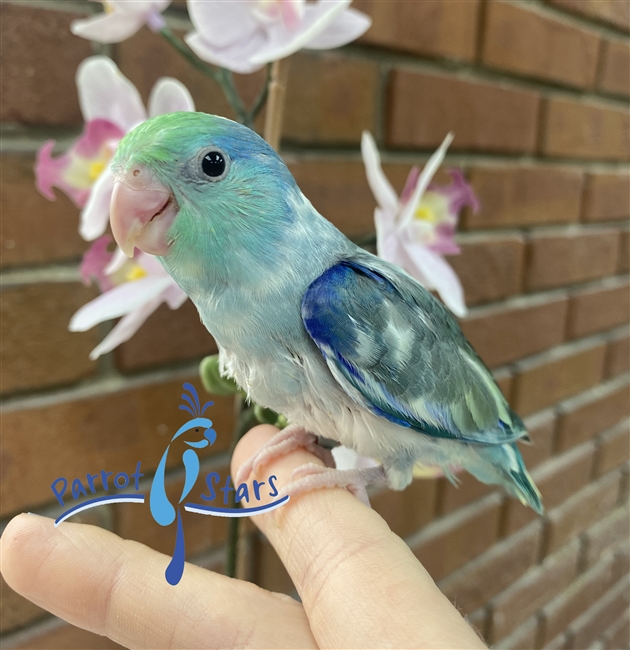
(122, 19)
(416, 230)
(133, 290)
(244, 36)
(111, 106)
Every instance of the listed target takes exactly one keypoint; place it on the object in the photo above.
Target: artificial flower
(133, 290)
(122, 19)
(111, 106)
(416, 230)
(244, 36)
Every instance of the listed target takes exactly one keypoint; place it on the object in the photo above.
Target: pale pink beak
(141, 212)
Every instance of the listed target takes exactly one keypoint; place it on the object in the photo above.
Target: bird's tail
(508, 469)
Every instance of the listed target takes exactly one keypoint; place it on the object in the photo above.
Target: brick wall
(537, 94)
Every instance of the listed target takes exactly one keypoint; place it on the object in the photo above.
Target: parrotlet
(344, 344)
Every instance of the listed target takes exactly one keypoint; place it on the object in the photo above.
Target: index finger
(360, 584)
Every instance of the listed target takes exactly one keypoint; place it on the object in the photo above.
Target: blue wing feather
(390, 344)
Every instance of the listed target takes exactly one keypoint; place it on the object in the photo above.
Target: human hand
(360, 585)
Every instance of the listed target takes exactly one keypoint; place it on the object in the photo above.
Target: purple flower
(416, 230)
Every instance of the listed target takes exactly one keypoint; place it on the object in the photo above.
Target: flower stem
(260, 101)
(275, 110)
(222, 76)
(244, 420)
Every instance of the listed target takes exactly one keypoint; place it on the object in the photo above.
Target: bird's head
(198, 191)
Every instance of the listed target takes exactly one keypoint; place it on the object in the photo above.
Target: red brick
(602, 615)
(559, 259)
(34, 230)
(609, 11)
(430, 28)
(407, 511)
(585, 591)
(563, 372)
(524, 195)
(607, 197)
(38, 350)
(557, 480)
(586, 415)
(478, 621)
(451, 541)
(503, 335)
(624, 252)
(339, 191)
(581, 129)
(615, 74)
(605, 534)
(525, 596)
(452, 497)
(424, 108)
(167, 336)
(326, 85)
(40, 58)
(57, 635)
(490, 267)
(582, 510)
(16, 610)
(600, 308)
(532, 43)
(618, 355)
(618, 634)
(541, 429)
(613, 449)
(202, 533)
(475, 584)
(524, 637)
(109, 428)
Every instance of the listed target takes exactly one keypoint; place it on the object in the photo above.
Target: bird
(344, 344)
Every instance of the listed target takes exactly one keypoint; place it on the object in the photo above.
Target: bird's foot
(290, 438)
(312, 477)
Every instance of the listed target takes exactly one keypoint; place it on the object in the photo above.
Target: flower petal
(95, 214)
(169, 96)
(117, 262)
(349, 25)
(174, 296)
(109, 27)
(382, 189)
(126, 327)
(104, 92)
(436, 273)
(459, 192)
(284, 41)
(236, 57)
(424, 179)
(221, 24)
(95, 259)
(117, 302)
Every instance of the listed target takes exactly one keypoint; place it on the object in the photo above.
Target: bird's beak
(141, 212)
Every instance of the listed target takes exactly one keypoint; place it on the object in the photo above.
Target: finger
(359, 583)
(100, 582)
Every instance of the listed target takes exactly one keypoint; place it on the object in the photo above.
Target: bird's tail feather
(510, 471)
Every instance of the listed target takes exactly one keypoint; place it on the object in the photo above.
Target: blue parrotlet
(345, 345)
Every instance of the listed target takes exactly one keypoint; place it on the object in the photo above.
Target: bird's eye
(214, 164)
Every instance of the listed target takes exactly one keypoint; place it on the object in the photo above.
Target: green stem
(229, 89)
(170, 37)
(222, 76)
(244, 422)
(261, 100)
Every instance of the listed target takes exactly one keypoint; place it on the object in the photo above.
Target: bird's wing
(396, 350)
